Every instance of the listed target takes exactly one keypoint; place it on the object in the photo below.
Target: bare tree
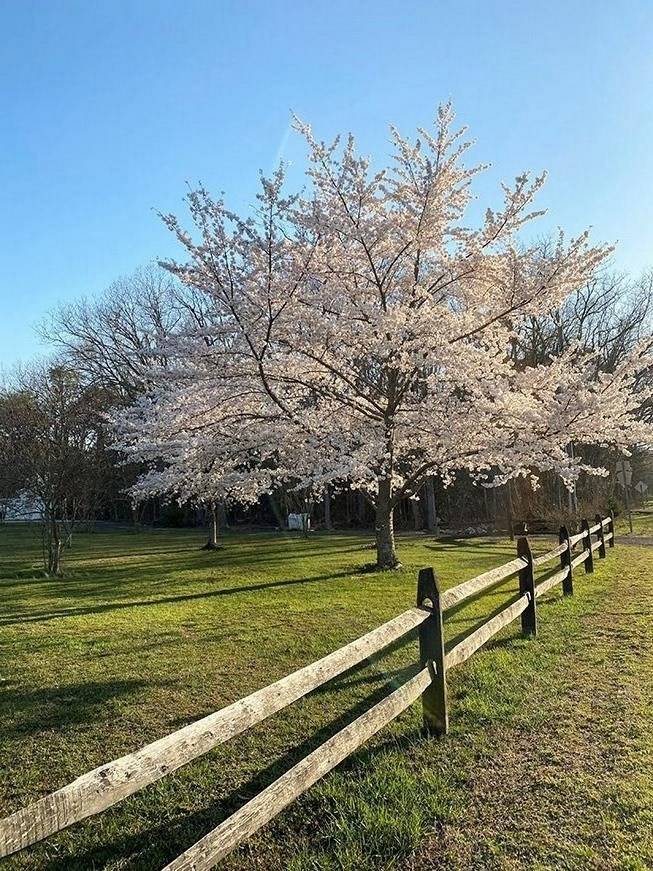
(114, 339)
(608, 315)
(52, 450)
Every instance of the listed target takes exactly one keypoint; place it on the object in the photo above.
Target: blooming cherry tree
(360, 331)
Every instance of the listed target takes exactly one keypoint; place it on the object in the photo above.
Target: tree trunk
(386, 556)
(360, 509)
(327, 509)
(573, 498)
(54, 549)
(431, 509)
(276, 510)
(223, 515)
(511, 518)
(417, 514)
(212, 543)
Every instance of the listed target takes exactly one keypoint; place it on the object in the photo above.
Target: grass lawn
(549, 763)
(642, 522)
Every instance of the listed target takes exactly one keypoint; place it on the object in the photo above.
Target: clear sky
(108, 108)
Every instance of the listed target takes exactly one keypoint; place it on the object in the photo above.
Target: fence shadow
(159, 843)
(163, 843)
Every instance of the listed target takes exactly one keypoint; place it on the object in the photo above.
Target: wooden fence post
(600, 535)
(611, 529)
(527, 585)
(431, 655)
(587, 545)
(565, 560)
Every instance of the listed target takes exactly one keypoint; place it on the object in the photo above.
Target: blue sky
(107, 109)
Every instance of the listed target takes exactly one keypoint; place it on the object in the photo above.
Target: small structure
(23, 508)
(301, 522)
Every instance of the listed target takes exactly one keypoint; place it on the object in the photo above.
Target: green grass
(642, 523)
(548, 763)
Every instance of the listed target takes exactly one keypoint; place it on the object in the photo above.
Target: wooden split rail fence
(103, 787)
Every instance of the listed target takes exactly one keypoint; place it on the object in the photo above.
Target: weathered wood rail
(108, 784)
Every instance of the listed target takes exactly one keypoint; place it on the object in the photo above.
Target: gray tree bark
(417, 514)
(386, 555)
(214, 528)
(327, 509)
(431, 512)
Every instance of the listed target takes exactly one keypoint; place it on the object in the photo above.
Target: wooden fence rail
(108, 784)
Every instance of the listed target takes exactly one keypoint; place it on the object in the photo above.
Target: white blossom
(361, 332)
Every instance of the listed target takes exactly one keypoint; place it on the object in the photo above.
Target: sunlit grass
(642, 522)
(147, 632)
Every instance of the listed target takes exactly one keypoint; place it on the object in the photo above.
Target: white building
(22, 509)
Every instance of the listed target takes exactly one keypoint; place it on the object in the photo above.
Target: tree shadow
(165, 600)
(463, 544)
(465, 540)
(122, 560)
(40, 710)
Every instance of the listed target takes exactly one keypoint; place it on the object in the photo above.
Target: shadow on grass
(38, 710)
(117, 570)
(166, 600)
(477, 621)
(465, 544)
(155, 846)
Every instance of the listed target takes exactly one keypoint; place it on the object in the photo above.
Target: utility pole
(571, 494)
(624, 478)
